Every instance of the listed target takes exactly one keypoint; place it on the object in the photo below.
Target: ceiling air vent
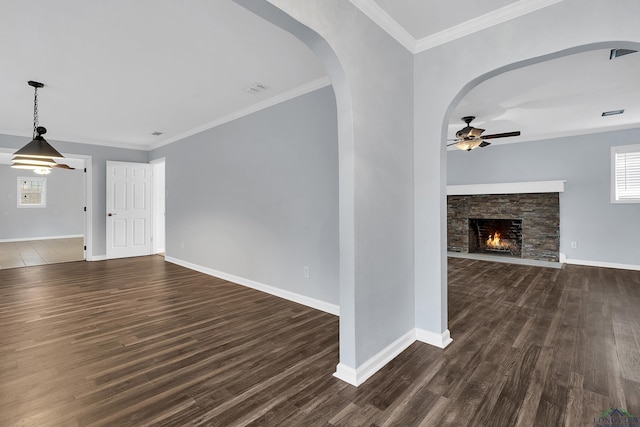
(612, 113)
(615, 53)
(256, 88)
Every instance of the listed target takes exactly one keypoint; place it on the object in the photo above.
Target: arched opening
(565, 137)
(553, 71)
(340, 83)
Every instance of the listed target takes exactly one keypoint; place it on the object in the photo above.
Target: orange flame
(494, 240)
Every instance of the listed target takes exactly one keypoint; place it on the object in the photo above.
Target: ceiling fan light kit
(38, 155)
(469, 137)
(468, 145)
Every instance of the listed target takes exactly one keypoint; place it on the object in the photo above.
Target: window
(625, 170)
(32, 192)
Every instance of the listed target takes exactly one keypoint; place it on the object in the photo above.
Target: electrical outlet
(574, 245)
(306, 272)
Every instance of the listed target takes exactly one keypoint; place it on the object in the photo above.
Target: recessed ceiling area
(560, 97)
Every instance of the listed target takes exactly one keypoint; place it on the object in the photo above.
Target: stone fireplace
(520, 225)
(496, 236)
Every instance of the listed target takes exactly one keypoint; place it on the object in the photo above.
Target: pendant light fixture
(38, 155)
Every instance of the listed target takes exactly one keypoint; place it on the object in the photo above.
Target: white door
(128, 209)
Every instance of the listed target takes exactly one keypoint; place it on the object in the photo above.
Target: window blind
(627, 176)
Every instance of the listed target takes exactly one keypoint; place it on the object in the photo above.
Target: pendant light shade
(39, 147)
(38, 155)
(37, 161)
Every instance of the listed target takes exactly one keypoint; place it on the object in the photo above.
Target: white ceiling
(116, 71)
(563, 97)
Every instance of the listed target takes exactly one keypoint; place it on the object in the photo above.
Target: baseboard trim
(28, 239)
(97, 258)
(603, 264)
(358, 376)
(347, 374)
(439, 340)
(288, 295)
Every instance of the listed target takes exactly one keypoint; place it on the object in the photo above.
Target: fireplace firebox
(496, 236)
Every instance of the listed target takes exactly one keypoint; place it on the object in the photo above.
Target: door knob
(110, 214)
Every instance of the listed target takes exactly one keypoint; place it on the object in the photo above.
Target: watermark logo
(614, 417)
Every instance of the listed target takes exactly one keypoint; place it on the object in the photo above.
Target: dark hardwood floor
(138, 342)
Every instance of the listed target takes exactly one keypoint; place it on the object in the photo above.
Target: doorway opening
(56, 231)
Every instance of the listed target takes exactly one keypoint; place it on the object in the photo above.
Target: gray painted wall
(63, 214)
(99, 156)
(257, 198)
(604, 232)
(376, 181)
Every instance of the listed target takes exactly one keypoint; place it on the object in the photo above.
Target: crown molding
(378, 15)
(285, 96)
(78, 140)
(482, 22)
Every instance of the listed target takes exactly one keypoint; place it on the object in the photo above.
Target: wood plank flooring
(141, 342)
(39, 252)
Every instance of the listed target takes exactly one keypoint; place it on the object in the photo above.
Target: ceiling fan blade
(453, 143)
(501, 135)
(484, 144)
(474, 133)
(63, 166)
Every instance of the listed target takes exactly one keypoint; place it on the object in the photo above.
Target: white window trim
(615, 150)
(43, 201)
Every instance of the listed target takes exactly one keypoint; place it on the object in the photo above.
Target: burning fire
(494, 240)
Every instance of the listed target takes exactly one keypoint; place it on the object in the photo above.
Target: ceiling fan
(469, 137)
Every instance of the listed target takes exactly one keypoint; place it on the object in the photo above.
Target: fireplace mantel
(507, 188)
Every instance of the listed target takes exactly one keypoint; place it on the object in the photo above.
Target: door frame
(158, 184)
(88, 203)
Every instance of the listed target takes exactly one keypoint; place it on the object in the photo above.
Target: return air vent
(616, 53)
